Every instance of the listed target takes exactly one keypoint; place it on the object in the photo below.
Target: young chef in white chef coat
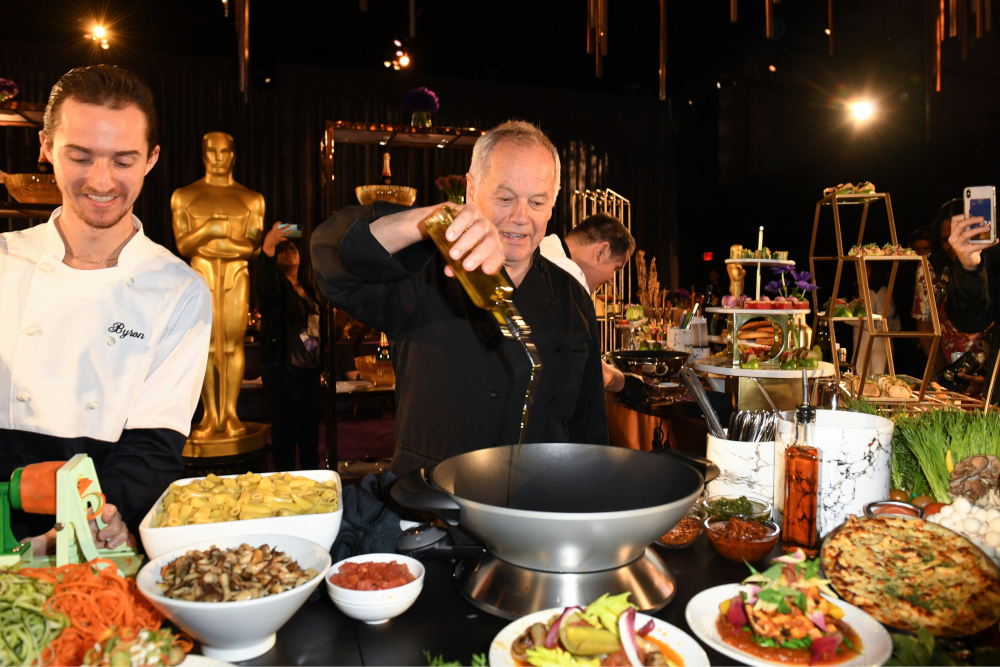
(103, 334)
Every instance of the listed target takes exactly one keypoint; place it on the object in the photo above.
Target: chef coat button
(92, 405)
(31, 331)
(45, 266)
(110, 340)
(23, 398)
(129, 281)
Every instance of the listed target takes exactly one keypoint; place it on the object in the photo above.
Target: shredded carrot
(96, 602)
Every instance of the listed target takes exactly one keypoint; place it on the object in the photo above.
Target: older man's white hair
(515, 131)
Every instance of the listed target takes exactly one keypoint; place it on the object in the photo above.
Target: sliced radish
(819, 619)
(553, 637)
(825, 648)
(626, 631)
(799, 556)
(752, 591)
(737, 615)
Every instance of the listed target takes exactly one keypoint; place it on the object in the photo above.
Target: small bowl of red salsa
(738, 540)
(375, 587)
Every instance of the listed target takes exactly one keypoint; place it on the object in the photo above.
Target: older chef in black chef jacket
(103, 333)
(459, 383)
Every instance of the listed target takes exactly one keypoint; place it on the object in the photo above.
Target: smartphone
(295, 233)
(981, 201)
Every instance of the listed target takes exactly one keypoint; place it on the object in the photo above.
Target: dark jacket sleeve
(139, 467)
(358, 275)
(974, 296)
(589, 423)
(268, 281)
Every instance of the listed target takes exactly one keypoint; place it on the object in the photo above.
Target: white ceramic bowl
(319, 528)
(233, 631)
(375, 607)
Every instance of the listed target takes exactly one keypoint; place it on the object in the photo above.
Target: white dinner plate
(678, 640)
(703, 610)
(194, 660)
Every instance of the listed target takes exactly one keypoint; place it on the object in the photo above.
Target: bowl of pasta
(234, 593)
(304, 503)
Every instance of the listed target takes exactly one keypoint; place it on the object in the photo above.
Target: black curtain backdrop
(279, 129)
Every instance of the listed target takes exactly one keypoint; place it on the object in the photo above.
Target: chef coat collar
(128, 256)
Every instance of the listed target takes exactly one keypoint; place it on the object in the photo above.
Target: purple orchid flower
(805, 286)
(782, 268)
(773, 286)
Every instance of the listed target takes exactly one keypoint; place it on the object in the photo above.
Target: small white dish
(667, 385)
(703, 611)
(374, 607)
(234, 631)
(679, 641)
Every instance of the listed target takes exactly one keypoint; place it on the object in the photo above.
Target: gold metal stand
(228, 445)
(610, 299)
(835, 201)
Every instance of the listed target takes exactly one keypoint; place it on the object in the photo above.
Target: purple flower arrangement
(8, 89)
(453, 187)
(421, 99)
(792, 284)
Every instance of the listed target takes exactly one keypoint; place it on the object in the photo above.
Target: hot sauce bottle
(799, 530)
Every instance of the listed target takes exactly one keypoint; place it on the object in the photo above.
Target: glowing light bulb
(99, 31)
(397, 42)
(404, 61)
(861, 111)
(104, 45)
(718, 85)
(827, 31)
(772, 68)
(399, 53)
(387, 63)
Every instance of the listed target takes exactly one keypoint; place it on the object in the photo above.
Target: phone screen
(982, 208)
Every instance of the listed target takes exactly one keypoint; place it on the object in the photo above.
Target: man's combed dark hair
(602, 227)
(102, 85)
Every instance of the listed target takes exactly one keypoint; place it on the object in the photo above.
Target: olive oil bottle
(494, 294)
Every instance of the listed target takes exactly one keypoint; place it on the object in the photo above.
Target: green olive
(808, 363)
(789, 365)
(753, 365)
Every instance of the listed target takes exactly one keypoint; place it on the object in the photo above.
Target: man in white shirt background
(103, 333)
(593, 252)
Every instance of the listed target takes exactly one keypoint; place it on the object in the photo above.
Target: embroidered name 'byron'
(119, 328)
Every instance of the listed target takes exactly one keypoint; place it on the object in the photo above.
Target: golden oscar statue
(737, 274)
(219, 224)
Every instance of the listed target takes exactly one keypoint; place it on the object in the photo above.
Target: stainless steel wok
(576, 508)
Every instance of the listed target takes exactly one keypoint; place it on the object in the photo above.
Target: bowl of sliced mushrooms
(234, 593)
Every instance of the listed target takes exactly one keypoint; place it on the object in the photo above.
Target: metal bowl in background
(394, 194)
(654, 364)
(33, 188)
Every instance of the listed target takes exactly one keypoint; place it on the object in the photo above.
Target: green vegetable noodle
(26, 628)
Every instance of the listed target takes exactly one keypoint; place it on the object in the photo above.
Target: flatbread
(912, 574)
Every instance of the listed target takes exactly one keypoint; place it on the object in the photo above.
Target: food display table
(442, 622)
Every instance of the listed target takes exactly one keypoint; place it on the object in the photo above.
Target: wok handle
(705, 466)
(413, 491)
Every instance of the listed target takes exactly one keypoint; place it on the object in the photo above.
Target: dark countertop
(442, 622)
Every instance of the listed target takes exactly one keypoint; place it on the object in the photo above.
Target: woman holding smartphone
(290, 355)
(973, 303)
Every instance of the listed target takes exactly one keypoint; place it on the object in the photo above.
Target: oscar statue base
(227, 445)
(227, 455)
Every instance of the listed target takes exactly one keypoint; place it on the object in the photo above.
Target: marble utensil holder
(747, 468)
(855, 452)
